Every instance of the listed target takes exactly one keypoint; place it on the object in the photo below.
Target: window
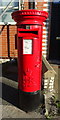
(12, 7)
(31, 4)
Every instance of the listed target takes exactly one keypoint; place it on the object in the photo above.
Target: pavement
(9, 96)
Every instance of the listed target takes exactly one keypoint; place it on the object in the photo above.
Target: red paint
(30, 65)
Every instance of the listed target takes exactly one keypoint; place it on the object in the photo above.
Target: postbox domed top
(29, 16)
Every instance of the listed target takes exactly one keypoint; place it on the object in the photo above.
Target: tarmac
(9, 96)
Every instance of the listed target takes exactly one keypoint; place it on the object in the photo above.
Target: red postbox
(29, 30)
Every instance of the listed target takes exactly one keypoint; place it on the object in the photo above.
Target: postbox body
(30, 59)
(29, 31)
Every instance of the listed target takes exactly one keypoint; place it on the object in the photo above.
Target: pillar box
(29, 31)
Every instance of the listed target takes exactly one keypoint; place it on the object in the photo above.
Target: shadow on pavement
(10, 70)
(9, 94)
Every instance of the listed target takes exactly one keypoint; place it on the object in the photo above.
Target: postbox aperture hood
(30, 16)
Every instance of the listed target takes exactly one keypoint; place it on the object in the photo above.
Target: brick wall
(26, 5)
(3, 43)
(13, 40)
(8, 38)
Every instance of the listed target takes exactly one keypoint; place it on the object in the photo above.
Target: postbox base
(29, 101)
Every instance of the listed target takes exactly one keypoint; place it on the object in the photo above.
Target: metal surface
(29, 56)
(30, 65)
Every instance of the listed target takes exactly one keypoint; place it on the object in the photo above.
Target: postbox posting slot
(27, 32)
(34, 32)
